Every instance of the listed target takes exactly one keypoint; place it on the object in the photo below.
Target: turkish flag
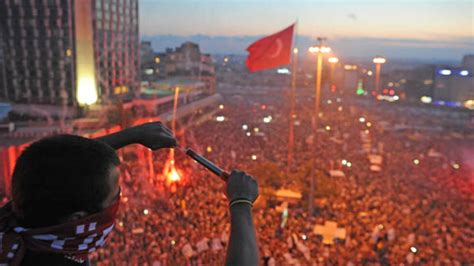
(271, 51)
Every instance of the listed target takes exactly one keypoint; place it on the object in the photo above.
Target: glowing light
(349, 164)
(86, 92)
(285, 71)
(362, 119)
(245, 127)
(366, 132)
(121, 224)
(325, 49)
(173, 242)
(317, 49)
(380, 226)
(173, 175)
(428, 81)
(464, 73)
(221, 106)
(220, 118)
(368, 124)
(333, 60)
(248, 134)
(226, 59)
(254, 157)
(329, 101)
(416, 161)
(360, 88)
(413, 249)
(388, 98)
(295, 50)
(379, 60)
(304, 237)
(267, 119)
(145, 211)
(256, 130)
(350, 67)
(469, 104)
(426, 99)
(157, 60)
(445, 72)
(456, 166)
(149, 71)
(344, 162)
(339, 108)
(170, 172)
(328, 128)
(209, 149)
(68, 52)
(369, 73)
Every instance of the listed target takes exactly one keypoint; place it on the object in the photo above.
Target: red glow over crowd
(406, 213)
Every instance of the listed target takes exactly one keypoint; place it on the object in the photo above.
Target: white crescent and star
(279, 44)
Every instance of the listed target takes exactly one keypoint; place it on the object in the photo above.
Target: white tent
(375, 159)
(336, 173)
(286, 193)
(375, 168)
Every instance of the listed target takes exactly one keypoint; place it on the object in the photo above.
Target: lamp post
(333, 61)
(378, 61)
(319, 50)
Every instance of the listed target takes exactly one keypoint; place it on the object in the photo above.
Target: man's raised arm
(152, 135)
(242, 191)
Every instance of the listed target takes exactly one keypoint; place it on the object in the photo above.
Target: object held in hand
(206, 163)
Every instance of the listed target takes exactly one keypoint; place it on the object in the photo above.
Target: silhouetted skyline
(405, 29)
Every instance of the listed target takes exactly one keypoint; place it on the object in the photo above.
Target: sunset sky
(408, 24)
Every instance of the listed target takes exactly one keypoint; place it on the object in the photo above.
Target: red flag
(271, 51)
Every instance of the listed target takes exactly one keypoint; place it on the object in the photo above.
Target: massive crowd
(414, 211)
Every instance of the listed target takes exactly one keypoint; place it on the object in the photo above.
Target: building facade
(186, 62)
(454, 85)
(68, 51)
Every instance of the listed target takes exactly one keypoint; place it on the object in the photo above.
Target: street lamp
(319, 50)
(333, 61)
(378, 61)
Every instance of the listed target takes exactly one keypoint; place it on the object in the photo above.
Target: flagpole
(292, 99)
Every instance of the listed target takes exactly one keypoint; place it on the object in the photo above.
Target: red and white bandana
(75, 239)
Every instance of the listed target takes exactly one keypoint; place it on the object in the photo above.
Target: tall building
(186, 61)
(3, 85)
(69, 51)
(350, 79)
(455, 85)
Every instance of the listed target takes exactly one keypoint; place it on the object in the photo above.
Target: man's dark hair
(60, 175)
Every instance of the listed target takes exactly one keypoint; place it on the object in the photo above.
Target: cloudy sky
(419, 28)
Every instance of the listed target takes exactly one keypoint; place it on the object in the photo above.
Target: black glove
(241, 186)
